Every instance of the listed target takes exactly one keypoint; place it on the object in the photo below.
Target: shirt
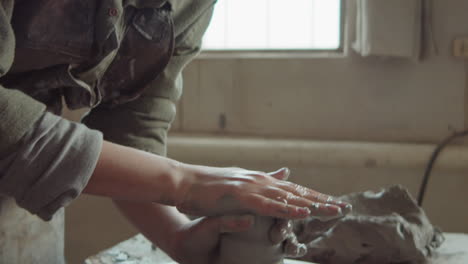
(142, 124)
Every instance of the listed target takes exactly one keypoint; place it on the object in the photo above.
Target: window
(275, 25)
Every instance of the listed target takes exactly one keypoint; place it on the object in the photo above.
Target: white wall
(342, 97)
(317, 98)
(338, 98)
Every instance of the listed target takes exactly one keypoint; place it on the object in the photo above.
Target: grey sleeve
(143, 123)
(51, 165)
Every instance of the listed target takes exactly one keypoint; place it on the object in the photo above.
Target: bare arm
(156, 222)
(128, 174)
(125, 173)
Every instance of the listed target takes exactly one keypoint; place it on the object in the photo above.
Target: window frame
(286, 53)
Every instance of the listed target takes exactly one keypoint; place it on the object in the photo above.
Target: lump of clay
(384, 227)
(251, 247)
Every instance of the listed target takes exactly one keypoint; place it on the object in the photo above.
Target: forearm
(125, 173)
(158, 223)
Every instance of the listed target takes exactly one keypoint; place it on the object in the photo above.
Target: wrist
(144, 215)
(186, 174)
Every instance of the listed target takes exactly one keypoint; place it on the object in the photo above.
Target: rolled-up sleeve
(18, 112)
(51, 165)
(45, 161)
(143, 123)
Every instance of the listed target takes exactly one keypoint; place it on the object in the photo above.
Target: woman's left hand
(210, 191)
(197, 242)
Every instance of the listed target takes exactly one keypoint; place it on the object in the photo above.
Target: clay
(251, 247)
(384, 227)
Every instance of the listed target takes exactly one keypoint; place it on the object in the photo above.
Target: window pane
(274, 24)
(290, 31)
(216, 35)
(246, 27)
(327, 24)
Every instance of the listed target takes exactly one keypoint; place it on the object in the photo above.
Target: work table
(138, 250)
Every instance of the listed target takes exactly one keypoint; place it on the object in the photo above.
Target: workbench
(138, 250)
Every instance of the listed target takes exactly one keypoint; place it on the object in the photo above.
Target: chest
(89, 51)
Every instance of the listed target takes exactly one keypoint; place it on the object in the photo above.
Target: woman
(123, 60)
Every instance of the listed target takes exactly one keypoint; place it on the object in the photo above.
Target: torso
(74, 50)
(90, 52)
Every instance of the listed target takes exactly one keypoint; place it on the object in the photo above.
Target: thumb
(227, 224)
(281, 174)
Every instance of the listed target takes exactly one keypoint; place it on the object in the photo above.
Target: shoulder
(190, 9)
(187, 13)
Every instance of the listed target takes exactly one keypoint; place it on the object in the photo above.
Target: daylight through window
(275, 25)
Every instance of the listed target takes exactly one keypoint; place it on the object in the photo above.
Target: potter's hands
(197, 242)
(208, 191)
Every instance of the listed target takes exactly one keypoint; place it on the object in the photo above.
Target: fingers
(265, 206)
(301, 196)
(280, 231)
(286, 197)
(288, 200)
(281, 174)
(294, 249)
(314, 196)
(326, 212)
(317, 209)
